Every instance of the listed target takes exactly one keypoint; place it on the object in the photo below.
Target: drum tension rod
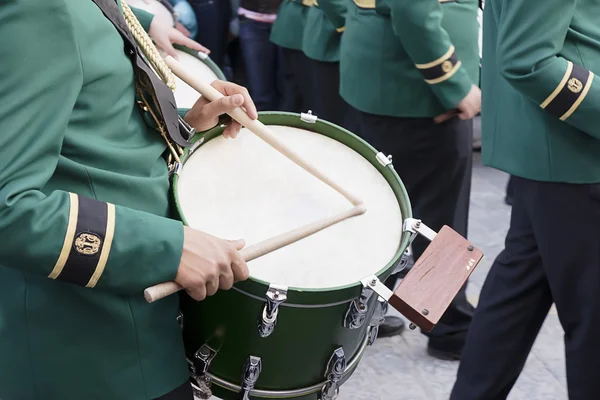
(250, 376)
(335, 371)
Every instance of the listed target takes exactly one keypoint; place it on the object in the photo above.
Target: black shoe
(448, 350)
(392, 326)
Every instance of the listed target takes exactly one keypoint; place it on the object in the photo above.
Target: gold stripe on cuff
(69, 236)
(365, 3)
(437, 62)
(560, 86)
(581, 97)
(108, 238)
(446, 76)
(342, 29)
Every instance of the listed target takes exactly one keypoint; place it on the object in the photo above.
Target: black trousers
(552, 255)
(297, 89)
(183, 392)
(327, 102)
(461, 217)
(432, 161)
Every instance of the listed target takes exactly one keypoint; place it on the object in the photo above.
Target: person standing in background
(262, 58)
(186, 17)
(213, 18)
(541, 106)
(400, 69)
(325, 22)
(287, 33)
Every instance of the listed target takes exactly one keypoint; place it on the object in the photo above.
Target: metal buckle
(187, 132)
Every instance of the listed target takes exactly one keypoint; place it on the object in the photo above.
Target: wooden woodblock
(437, 276)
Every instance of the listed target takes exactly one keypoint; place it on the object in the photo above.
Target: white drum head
(245, 189)
(185, 96)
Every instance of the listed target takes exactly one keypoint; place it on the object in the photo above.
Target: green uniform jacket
(406, 58)
(288, 28)
(541, 97)
(84, 209)
(321, 37)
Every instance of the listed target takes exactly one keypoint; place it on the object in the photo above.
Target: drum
(200, 65)
(297, 328)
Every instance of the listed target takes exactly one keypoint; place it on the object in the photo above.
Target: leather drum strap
(161, 92)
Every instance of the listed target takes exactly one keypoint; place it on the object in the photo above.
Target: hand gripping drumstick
(259, 129)
(161, 290)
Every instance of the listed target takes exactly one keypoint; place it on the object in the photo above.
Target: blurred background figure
(186, 18)
(213, 19)
(262, 58)
(287, 33)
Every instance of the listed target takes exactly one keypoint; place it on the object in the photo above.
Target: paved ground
(398, 368)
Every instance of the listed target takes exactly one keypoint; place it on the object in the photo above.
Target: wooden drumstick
(162, 290)
(257, 127)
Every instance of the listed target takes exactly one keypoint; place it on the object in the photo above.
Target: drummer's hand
(204, 115)
(165, 36)
(209, 263)
(470, 106)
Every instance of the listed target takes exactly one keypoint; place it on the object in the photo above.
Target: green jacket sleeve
(528, 58)
(418, 26)
(62, 235)
(144, 17)
(335, 10)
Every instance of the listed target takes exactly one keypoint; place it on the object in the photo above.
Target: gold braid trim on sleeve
(148, 47)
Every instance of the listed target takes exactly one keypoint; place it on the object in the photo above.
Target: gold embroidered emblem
(575, 85)
(87, 244)
(447, 66)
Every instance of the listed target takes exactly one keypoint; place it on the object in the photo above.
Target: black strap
(162, 93)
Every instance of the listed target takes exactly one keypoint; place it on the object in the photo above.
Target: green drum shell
(310, 322)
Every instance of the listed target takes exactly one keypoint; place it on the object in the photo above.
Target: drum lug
(335, 370)
(276, 295)
(250, 376)
(377, 319)
(357, 312)
(174, 168)
(199, 366)
(308, 117)
(383, 159)
(404, 259)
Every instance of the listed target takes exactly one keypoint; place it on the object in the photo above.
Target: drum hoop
(301, 297)
(292, 305)
(283, 394)
(207, 61)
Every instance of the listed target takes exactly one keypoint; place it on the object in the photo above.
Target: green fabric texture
(72, 127)
(382, 47)
(540, 98)
(288, 28)
(144, 17)
(321, 40)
